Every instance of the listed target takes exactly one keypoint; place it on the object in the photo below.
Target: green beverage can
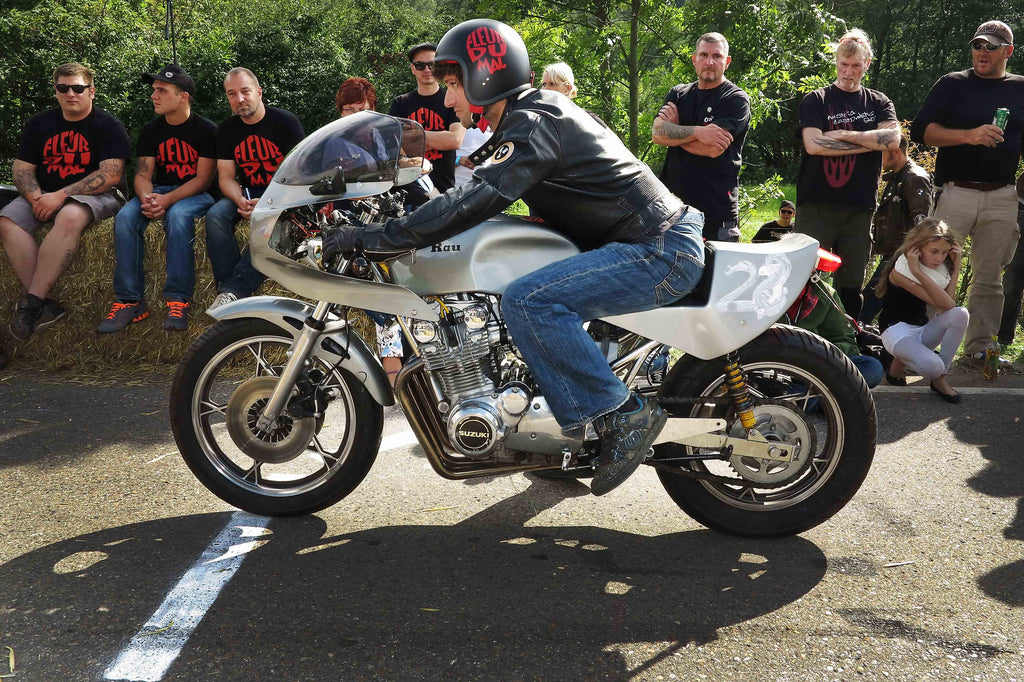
(1002, 116)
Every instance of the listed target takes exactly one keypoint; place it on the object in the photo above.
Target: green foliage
(301, 52)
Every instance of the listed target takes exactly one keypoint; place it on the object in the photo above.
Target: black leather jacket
(572, 171)
(906, 201)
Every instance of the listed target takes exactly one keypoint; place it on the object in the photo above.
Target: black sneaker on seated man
(34, 314)
(626, 438)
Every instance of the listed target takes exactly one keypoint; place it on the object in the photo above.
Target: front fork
(298, 360)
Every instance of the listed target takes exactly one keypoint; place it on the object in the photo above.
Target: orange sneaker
(121, 315)
(177, 316)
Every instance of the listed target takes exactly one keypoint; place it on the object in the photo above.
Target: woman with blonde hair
(924, 272)
(558, 77)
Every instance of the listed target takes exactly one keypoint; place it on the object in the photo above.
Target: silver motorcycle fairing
(325, 286)
(288, 314)
(751, 286)
(485, 259)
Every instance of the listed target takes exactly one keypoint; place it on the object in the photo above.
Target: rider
(641, 246)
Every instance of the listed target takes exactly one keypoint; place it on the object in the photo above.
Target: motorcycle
(278, 407)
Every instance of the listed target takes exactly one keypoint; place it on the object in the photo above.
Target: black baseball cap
(419, 48)
(173, 74)
(786, 203)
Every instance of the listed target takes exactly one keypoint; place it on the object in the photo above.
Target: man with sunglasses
(776, 229)
(69, 170)
(425, 105)
(976, 168)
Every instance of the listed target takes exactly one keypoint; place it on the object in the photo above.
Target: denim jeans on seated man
(545, 311)
(180, 228)
(232, 269)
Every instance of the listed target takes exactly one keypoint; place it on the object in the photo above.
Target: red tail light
(827, 261)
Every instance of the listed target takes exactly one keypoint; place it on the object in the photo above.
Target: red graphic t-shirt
(431, 113)
(258, 149)
(64, 151)
(176, 149)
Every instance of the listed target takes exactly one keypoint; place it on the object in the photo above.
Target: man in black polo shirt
(704, 124)
(778, 228)
(177, 161)
(425, 105)
(250, 146)
(975, 167)
(69, 169)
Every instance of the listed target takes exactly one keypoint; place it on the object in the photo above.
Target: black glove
(344, 239)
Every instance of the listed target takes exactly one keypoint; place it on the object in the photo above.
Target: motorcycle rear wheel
(236, 358)
(787, 371)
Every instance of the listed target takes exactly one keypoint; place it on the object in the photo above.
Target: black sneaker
(52, 311)
(26, 314)
(626, 441)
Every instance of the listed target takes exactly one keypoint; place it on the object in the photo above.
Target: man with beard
(703, 124)
(250, 146)
(177, 161)
(976, 166)
(69, 170)
(844, 129)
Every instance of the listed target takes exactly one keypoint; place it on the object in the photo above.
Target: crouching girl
(924, 272)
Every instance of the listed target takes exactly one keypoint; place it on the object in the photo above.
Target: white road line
(152, 650)
(397, 440)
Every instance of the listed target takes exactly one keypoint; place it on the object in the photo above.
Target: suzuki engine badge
(503, 153)
(474, 434)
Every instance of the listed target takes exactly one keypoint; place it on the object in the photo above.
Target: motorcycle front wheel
(305, 464)
(806, 393)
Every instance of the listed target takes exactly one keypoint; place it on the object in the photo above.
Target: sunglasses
(62, 88)
(786, 211)
(419, 66)
(982, 44)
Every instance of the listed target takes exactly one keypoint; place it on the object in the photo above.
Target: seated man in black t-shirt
(772, 231)
(177, 161)
(250, 146)
(69, 168)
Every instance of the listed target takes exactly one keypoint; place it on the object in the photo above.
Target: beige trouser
(990, 219)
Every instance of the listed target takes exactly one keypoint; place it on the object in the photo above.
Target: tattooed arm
(708, 140)
(886, 136)
(97, 182)
(25, 180)
(100, 180)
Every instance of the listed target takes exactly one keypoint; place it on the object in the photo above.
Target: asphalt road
(104, 533)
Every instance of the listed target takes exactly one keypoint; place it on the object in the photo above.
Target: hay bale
(86, 289)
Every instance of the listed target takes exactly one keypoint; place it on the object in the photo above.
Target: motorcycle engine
(483, 388)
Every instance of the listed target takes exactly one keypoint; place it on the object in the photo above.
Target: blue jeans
(545, 311)
(870, 367)
(180, 227)
(232, 269)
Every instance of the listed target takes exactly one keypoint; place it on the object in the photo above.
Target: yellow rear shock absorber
(736, 387)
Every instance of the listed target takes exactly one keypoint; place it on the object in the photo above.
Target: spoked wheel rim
(331, 441)
(788, 394)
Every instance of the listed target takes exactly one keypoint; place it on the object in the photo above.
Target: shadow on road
(1003, 476)
(53, 423)
(485, 599)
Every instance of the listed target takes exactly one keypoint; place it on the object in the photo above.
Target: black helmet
(492, 56)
